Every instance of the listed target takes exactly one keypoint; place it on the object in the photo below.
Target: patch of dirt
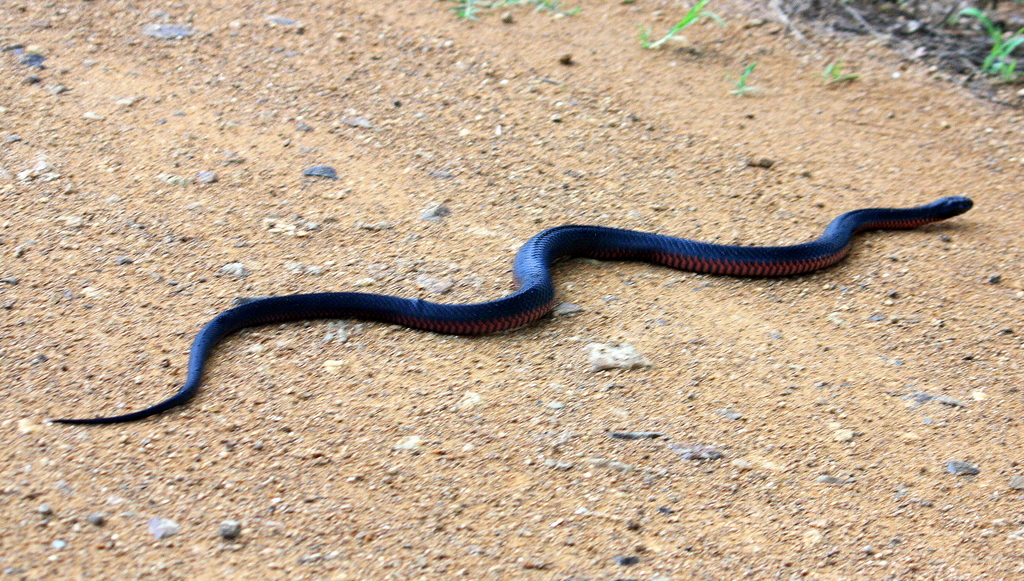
(369, 451)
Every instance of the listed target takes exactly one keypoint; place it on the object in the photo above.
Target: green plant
(741, 83)
(998, 61)
(695, 14)
(466, 9)
(834, 74)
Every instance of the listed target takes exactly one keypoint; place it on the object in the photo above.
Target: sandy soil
(113, 249)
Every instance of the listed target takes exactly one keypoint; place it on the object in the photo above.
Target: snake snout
(954, 206)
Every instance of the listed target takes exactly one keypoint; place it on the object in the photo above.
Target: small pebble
(44, 509)
(729, 414)
(917, 398)
(626, 561)
(1017, 482)
(321, 171)
(435, 213)
(433, 285)
(635, 435)
(31, 59)
(236, 269)
(566, 309)
(280, 20)
(410, 443)
(615, 356)
(229, 529)
(566, 59)
(166, 31)
(961, 468)
(995, 278)
(58, 544)
(361, 122)
(96, 519)
(762, 162)
(207, 177)
(696, 451)
(303, 127)
(163, 528)
(123, 260)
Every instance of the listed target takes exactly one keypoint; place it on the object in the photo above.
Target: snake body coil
(536, 293)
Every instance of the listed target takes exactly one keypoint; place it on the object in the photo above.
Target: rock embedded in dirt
(163, 528)
(321, 171)
(605, 356)
(236, 269)
(207, 177)
(167, 31)
(918, 398)
(229, 529)
(696, 451)
(435, 213)
(566, 309)
(626, 561)
(96, 519)
(961, 468)
(729, 414)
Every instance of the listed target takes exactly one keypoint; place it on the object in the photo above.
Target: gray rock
(96, 519)
(696, 451)
(361, 122)
(321, 171)
(557, 464)
(229, 529)
(207, 177)
(918, 398)
(729, 413)
(236, 269)
(566, 309)
(1017, 482)
(166, 31)
(163, 528)
(961, 468)
(435, 213)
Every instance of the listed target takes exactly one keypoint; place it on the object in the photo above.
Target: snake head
(952, 206)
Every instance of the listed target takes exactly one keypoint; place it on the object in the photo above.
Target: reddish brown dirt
(302, 451)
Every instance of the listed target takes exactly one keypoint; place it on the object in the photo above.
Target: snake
(535, 293)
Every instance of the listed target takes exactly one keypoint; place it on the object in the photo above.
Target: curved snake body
(535, 294)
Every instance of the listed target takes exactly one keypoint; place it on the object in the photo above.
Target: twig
(863, 22)
(784, 19)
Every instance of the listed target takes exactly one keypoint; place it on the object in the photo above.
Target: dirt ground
(368, 451)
